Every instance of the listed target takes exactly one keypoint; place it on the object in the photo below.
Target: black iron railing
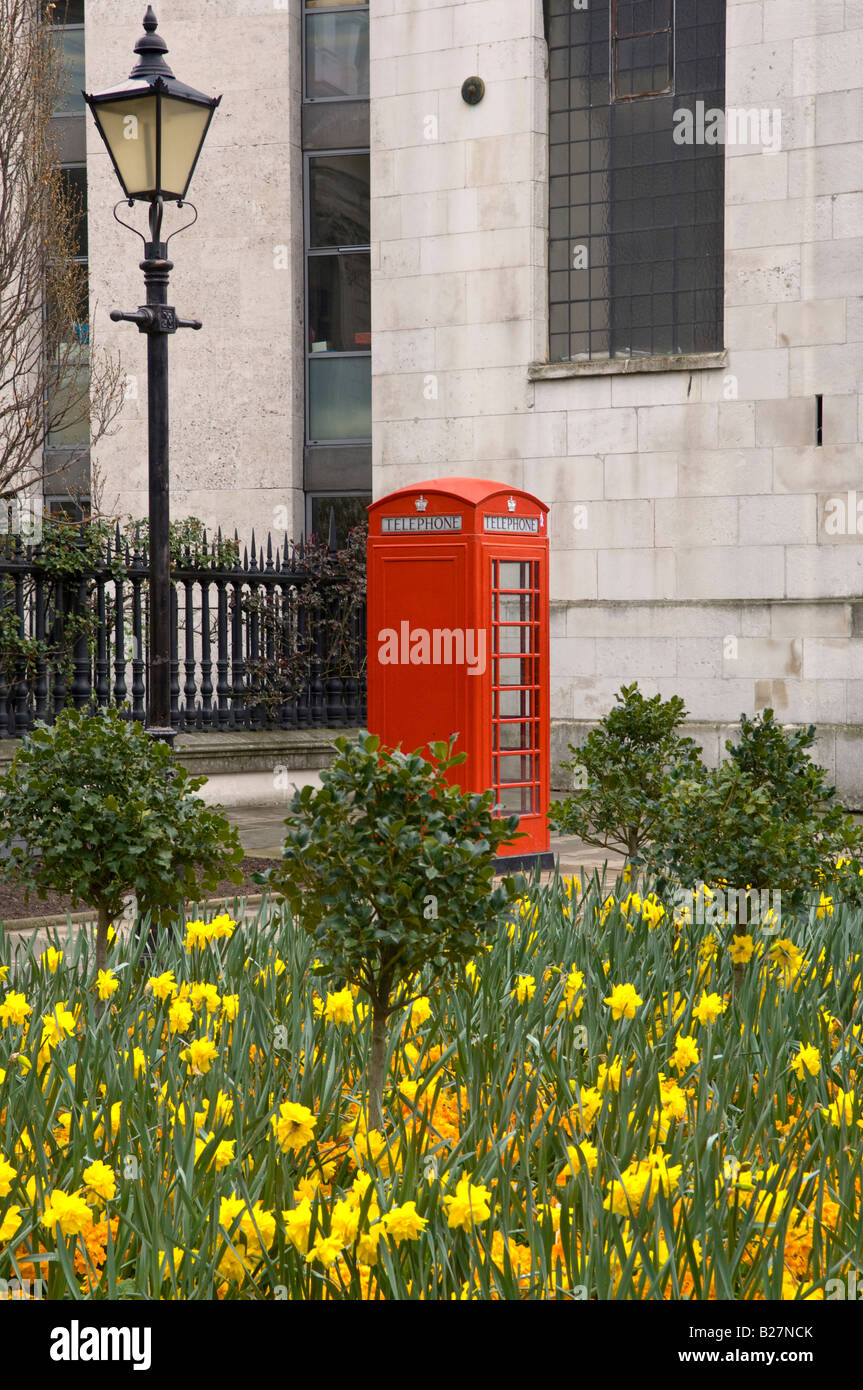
(275, 640)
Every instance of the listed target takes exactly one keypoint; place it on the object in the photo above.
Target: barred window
(642, 48)
(635, 218)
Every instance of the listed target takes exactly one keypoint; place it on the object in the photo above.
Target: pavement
(261, 830)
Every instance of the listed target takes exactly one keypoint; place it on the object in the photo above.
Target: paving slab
(261, 831)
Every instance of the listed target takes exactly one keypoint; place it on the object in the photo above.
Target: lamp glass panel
(129, 127)
(129, 130)
(183, 126)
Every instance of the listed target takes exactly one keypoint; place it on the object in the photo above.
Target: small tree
(623, 766)
(389, 868)
(103, 810)
(765, 819)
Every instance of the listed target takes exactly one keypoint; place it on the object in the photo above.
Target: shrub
(765, 819)
(624, 766)
(103, 810)
(390, 868)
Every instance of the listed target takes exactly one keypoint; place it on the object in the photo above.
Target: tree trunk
(377, 1061)
(160, 920)
(632, 846)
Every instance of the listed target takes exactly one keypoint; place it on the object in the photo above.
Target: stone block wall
(237, 392)
(698, 540)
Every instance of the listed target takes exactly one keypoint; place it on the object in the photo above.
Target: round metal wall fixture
(473, 90)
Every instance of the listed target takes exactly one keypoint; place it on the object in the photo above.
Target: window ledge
(626, 366)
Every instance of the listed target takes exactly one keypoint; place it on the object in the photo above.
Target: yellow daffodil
(623, 1001)
(468, 1205)
(808, 1059)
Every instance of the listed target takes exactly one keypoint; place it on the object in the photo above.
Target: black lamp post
(154, 128)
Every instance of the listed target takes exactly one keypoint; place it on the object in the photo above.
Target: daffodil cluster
(615, 1100)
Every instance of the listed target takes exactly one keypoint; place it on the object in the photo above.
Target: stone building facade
(684, 391)
(237, 404)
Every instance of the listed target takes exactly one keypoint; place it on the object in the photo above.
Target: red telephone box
(458, 639)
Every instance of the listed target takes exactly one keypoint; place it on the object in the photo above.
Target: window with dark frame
(515, 687)
(66, 508)
(75, 437)
(74, 181)
(636, 235)
(642, 46)
(336, 44)
(66, 17)
(348, 509)
(338, 297)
